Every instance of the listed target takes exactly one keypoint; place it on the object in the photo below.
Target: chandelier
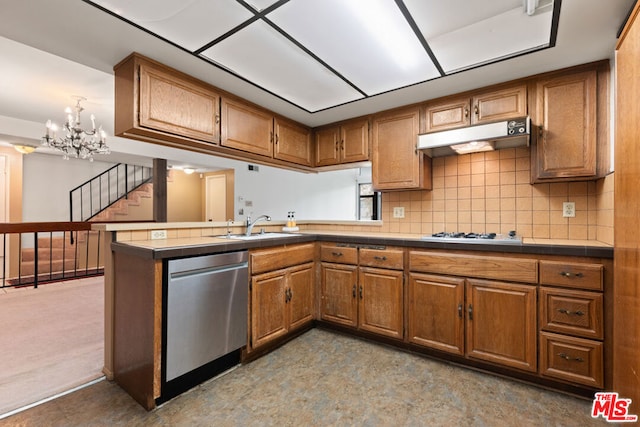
(76, 141)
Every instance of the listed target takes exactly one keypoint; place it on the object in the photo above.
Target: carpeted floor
(326, 379)
(51, 340)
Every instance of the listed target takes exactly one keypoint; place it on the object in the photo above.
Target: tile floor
(327, 379)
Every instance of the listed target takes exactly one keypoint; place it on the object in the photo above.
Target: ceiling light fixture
(24, 149)
(188, 171)
(77, 142)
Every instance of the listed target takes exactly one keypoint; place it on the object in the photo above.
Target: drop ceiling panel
(260, 5)
(504, 35)
(368, 42)
(187, 23)
(263, 56)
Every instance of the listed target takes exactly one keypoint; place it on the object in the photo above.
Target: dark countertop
(193, 246)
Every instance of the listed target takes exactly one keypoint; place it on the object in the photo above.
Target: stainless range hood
(492, 136)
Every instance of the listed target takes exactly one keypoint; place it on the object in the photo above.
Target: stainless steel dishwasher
(205, 318)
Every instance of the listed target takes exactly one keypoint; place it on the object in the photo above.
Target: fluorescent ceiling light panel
(262, 55)
(190, 24)
(501, 36)
(369, 42)
(260, 5)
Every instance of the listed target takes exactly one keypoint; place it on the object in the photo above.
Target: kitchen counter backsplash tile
(491, 192)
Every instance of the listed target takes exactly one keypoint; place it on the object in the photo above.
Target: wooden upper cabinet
(327, 146)
(396, 164)
(247, 128)
(450, 114)
(344, 143)
(565, 117)
(482, 107)
(154, 102)
(292, 142)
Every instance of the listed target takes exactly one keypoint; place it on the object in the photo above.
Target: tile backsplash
(491, 192)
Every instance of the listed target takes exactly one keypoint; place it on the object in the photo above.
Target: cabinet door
(396, 163)
(268, 307)
(246, 128)
(501, 323)
(499, 105)
(567, 134)
(447, 115)
(436, 312)
(292, 142)
(300, 287)
(380, 295)
(327, 146)
(354, 141)
(339, 290)
(177, 106)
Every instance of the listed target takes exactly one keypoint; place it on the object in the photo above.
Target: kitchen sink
(257, 236)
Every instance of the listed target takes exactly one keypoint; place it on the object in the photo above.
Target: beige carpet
(51, 340)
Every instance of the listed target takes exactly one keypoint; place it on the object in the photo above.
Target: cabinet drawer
(572, 359)
(387, 258)
(571, 275)
(276, 258)
(338, 254)
(571, 312)
(484, 267)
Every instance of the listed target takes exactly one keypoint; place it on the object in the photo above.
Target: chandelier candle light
(77, 142)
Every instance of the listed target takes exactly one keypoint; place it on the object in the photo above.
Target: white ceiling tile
(262, 55)
(437, 17)
(260, 5)
(500, 36)
(368, 41)
(188, 23)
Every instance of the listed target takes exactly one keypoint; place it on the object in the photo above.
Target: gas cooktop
(485, 238)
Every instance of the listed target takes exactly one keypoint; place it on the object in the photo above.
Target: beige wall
(490, 192)
(184, 197)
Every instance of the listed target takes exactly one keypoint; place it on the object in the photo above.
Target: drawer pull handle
(567, 274)
(569, 358)
(380, 258)
(336, 253)
(569, 312)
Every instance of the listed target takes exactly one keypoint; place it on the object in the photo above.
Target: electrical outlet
(569, 209)
(398, 212)
(158, 234)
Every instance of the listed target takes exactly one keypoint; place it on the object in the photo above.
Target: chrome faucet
(251, 224)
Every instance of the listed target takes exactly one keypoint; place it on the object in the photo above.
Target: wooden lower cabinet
(436, 312)
(380, 305)
(338, 293)
(501, 323)
(281, 301)
(363, 288)
(481, 319)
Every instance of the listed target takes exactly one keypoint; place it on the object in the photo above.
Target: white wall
(274, 192)
(47, 180)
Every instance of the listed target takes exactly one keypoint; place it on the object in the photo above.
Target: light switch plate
(158, 234)
(568, 209)
(398, 212)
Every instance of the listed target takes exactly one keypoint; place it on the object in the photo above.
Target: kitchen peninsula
(539, 311)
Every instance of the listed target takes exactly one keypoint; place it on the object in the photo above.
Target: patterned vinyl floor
(326, 379)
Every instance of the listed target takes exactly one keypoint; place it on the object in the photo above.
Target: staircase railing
(97, 194)
(40, 252)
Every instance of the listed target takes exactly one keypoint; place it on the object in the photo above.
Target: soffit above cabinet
(319, 54)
